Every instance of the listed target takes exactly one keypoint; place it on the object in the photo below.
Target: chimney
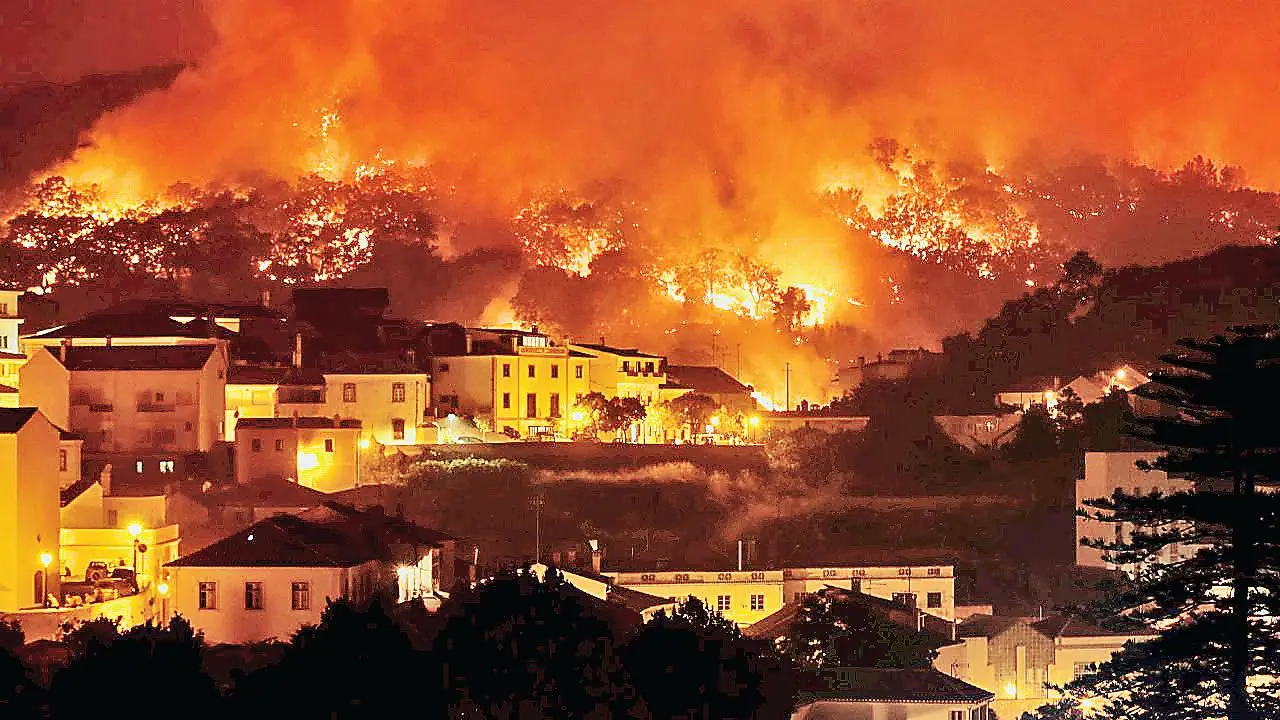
(297, 350)
(602, 342)
(597, 560)
(104, 479)
(411, 356)
(265, 298)
(62, 350)
(108, 342)
(470, 343)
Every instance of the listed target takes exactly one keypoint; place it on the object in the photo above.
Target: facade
(719, 385)
(743, 596)
(627, 372)
(315, 452)
(930, 588)
(257, 392)
(1014, 658)
(269, 579)
(146, 399)
(1106, 472)
(45, 383)
(516, 382)
(1031, 392)
(893, 694)
(29, 505)
(979, 432)
(391, 405)
(11, 355)
(898, 365)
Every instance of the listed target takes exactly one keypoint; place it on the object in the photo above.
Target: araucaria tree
(1219, 609)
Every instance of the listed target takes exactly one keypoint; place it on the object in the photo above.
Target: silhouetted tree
(1218, 652)
(11, 635)
(148, 672)
(833, 631)
(20, 697)
(1080, 270)
(357, 663)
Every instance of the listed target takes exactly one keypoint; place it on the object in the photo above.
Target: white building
(1104, 474)
(893, 694)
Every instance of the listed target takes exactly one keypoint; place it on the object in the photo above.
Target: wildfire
(568, 233)
(764, 401)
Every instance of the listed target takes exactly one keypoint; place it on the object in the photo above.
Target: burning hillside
(669, 175)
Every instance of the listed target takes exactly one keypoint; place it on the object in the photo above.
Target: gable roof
(394, 528)
(635, 600)
(705, 379)
(265, 492)
(149, 323)
(283, 541)
(135, 357)
(901, 685)
(624, 352)
(71, 492)
(258, 375)
(1064, 626)
(14, 419)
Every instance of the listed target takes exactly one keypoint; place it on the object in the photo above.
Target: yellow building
(744, 596)
(28, 508)
(258, 392)
(627, 372)
(316, 452)
(146, 399)
(931, 588)
(517, 382)
(11, 355)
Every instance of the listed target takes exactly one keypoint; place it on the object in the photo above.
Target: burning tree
(1218, 652)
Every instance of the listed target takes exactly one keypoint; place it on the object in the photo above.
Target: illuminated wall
(325, 458)
(29, 504)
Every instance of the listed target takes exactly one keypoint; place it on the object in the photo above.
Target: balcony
(300, 396)
(153, 407)
(101, 408)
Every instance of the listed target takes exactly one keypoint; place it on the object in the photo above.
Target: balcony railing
(101, 408)
(151, 407)
(300, 396)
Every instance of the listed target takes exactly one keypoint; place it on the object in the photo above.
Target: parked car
(77, 589)
(96, 570)
(127, 575)
(112, 588)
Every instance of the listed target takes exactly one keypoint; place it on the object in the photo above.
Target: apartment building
(316, 452)
(11, 355)
(627, 372)
(28, 508)
(258, 392)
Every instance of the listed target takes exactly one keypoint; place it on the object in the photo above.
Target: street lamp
(134, 531)
(45, 559)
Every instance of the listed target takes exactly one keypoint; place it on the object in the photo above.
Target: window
(957, 715)
(159, 397)
(348, 392)
(62, 461)
(4, 339)
(279, 445)
(555, 404)
(113, 518)
(1082, 670)
(253, 596)
(397, 392)
(187, 426)
(301, 596)
(555, 371)
(933, 600)
(626, 366)
(208, 596)
(757, 602)
(577, 371)
(328, 444)
(166, 467)
(397, 428)
(723, 603)
(506, 369)
(4, 309)
(648, 367)
(167, 436)
(908, 599)
(256, 444)
(444, 367)
(531, 405)
(532, 371)
(506, 401)
(138, 467)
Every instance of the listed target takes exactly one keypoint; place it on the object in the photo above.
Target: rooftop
(149, 323)
(306, 423)
(76, 489)
(257, 375)
(283, 541)
(14, 419)
(267, 492)
(135, 357)
(624, 352)
(899, 685)
(705, 379)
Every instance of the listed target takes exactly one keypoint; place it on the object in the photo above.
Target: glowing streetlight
(135, 530)
(755, 421)
(45, 559)
(163, 588)
(1011, 690)
(577, 416)
(1120, 374)
(307, 461)
(364, 443)
(715, 421)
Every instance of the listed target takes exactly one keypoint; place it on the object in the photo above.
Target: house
(980, 432)
(743, 597)
(28, 508)
(602, 588)
(146, 398)
(777, 626)
(258, 392)
(110, 530)
(321, 453)
(1093, 387)
(389, 395)
(931, 588)
(1029, 392)
(900, 694)
(722, 387)
(512, 381)
(275, 576)
(627, 372)
(242, 505)
(1104, 474)
(129, 326)
(898, 365)
(1014, 658)
(11, 355)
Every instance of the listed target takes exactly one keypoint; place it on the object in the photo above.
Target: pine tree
(1219, 643)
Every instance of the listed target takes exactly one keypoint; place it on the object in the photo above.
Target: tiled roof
(135, 324)
(394, 527)
(987, 626)
(255, 375)
(76, 489)
(1030, 385)
(283, 541)
(14, 419)
(276, 492)
(635, 599)
(624, 352)
(705, 379)
(135, 357)
(901, 685)
(6, 390)
(309, 423)
(1064, 626)
(5, 355)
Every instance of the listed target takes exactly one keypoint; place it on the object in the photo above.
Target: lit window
(328, 444)
(208, 596)
(555, 371)
(723, 603)
(302, 596)
(62, 460)
(577, 371)
(348, 392)
(1083, 670)
(256, 445)
(279, 445)
(138, 467)
(166, 467)
(397, 428)
(397, 392)
(933, 600)
(757, 602)
(253, 596)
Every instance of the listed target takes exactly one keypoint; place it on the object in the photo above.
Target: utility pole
(788, 401)
(715, 357)
(738, 371)
(537, 501)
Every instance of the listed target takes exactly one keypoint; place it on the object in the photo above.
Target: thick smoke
(706, 126)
